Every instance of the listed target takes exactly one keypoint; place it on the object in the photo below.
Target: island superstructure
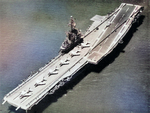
(105, 33)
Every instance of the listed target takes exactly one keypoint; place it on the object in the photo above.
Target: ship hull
(100, 39)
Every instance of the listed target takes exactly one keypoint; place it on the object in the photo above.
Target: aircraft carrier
(104, 34)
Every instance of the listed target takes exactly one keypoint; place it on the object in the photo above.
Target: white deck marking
(127, 9)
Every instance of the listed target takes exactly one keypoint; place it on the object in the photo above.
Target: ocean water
(31, 33)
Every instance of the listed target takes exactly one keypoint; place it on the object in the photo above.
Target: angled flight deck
(99, 40)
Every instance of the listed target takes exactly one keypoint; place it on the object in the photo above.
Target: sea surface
(31, 32)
